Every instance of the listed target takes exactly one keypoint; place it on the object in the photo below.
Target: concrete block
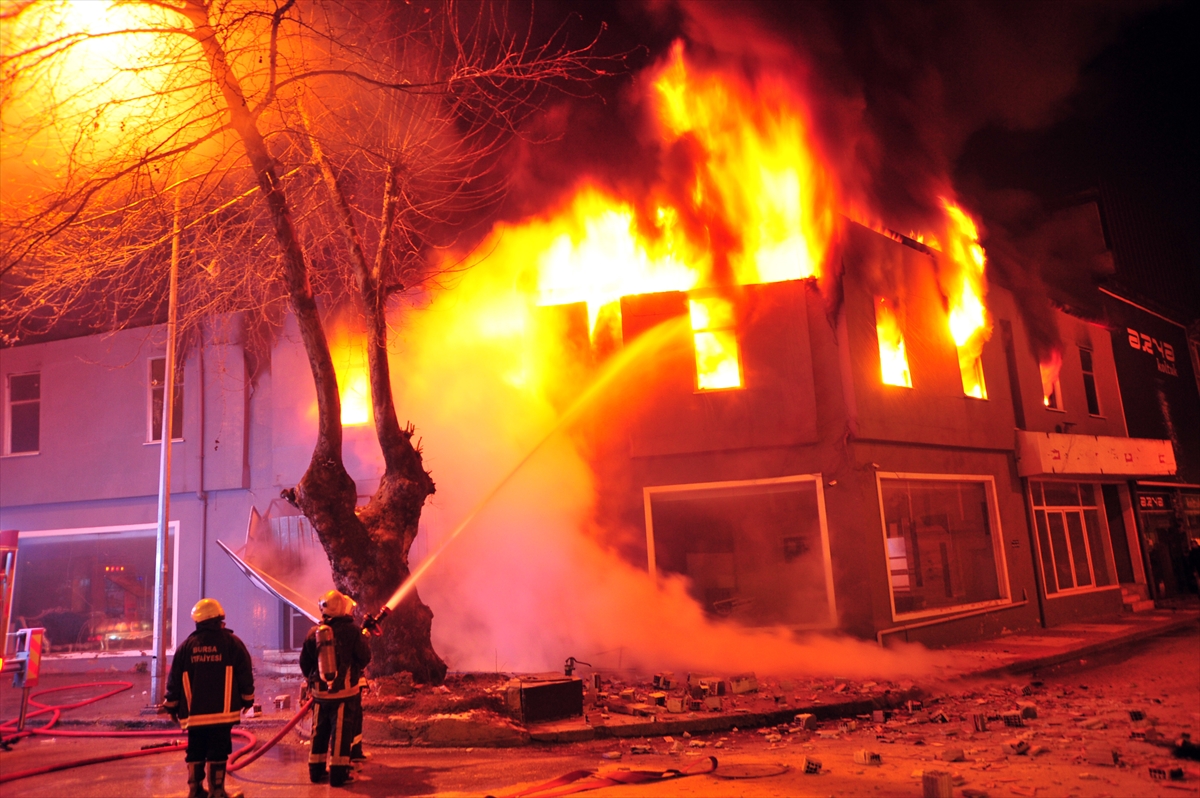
(810, 766)
(283, 702)
(674, 705)
(1012, 719)
(865, 757)
(658, 698)
(1028, 710)
(1102, 755)
(664, 681)
(713, 703)
(979, 722)
(806, 720)
(743, 683)
(952, 755)
(937, 784)
(1014, 747)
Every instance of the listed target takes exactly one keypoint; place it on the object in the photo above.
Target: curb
(724, 721)
(1036, 663)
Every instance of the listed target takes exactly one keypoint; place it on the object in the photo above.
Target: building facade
(791, 485)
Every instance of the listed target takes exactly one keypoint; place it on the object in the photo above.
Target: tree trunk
(368, 554)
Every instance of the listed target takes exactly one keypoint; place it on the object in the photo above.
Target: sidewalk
(464, 720)
(1031, 651)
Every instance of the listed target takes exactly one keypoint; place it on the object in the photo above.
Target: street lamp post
(158, 676)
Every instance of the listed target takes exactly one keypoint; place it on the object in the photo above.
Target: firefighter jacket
(211, 678)
(353, 654)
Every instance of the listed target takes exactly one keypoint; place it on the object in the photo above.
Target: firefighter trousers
(337, 726)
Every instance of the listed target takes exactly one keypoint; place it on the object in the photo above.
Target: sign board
(1041, 453)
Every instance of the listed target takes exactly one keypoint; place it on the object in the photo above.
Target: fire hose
(56, 710)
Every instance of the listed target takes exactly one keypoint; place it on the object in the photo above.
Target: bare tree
(334, 146)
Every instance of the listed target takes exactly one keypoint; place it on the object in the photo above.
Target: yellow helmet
(334, 604)
(206, 609)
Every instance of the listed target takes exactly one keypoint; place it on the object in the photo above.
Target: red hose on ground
(57, 710)
(233, 760)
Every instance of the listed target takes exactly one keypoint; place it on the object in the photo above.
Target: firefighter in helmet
(332, 659)
(211, 681)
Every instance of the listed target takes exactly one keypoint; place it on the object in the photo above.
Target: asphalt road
(1083, 711)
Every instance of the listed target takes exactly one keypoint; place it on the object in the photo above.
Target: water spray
(647, 342)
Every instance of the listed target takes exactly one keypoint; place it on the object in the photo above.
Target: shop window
(92, 589)
(1089, 381)
(942, 548)
(1072, 540)
(24, 414)
(158, 387)
(755, 552)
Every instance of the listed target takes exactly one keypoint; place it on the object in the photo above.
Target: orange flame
(350, 365)
(893, 359)
(970, 326)
(1050, 369)
(718, 365)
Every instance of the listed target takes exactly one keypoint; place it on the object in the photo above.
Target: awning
(1054, 453)
(306, 606)
(282, 556)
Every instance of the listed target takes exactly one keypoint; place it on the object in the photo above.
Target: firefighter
(211, 681)
(332, 659)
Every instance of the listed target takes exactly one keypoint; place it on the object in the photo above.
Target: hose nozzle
(371, 622)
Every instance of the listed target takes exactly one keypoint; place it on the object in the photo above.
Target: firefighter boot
(196, 780)
(216, 782)
(317, 774)
(339, 775)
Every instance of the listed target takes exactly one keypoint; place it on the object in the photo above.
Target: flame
(970, 326)
(760, 172)
(758, 206)
(718, 365)
(1050, 369)
(350, 365)
(893, 360)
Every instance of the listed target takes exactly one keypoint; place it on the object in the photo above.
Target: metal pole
(158, 676)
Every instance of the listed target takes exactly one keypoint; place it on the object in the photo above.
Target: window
(295, 627)
(893, 359)
(943, 548)
(971, 367)
(1089, 381)
(24, 414)
(93, 589)
(756, 552)
(1070, 537)
(158, 386)
(714, 333)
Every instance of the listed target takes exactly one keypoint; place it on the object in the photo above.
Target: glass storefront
(92, 590)
(755, 552)
(942, 549)
(1072, 536)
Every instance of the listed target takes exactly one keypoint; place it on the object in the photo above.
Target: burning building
(806, 420)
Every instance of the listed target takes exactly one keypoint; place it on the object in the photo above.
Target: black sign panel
(1158, 386)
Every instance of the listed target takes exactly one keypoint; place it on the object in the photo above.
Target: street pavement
(1083, 715)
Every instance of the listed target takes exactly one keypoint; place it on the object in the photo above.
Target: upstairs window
(24, 414)
(714, 333)
(893, 359)
(155, 400)
(1053, 400)
(1089, 382)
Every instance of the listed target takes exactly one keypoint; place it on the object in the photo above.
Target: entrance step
(1138, 605)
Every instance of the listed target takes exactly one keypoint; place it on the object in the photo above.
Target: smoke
(528, 583)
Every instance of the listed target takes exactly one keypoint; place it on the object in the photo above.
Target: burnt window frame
(10, 403)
